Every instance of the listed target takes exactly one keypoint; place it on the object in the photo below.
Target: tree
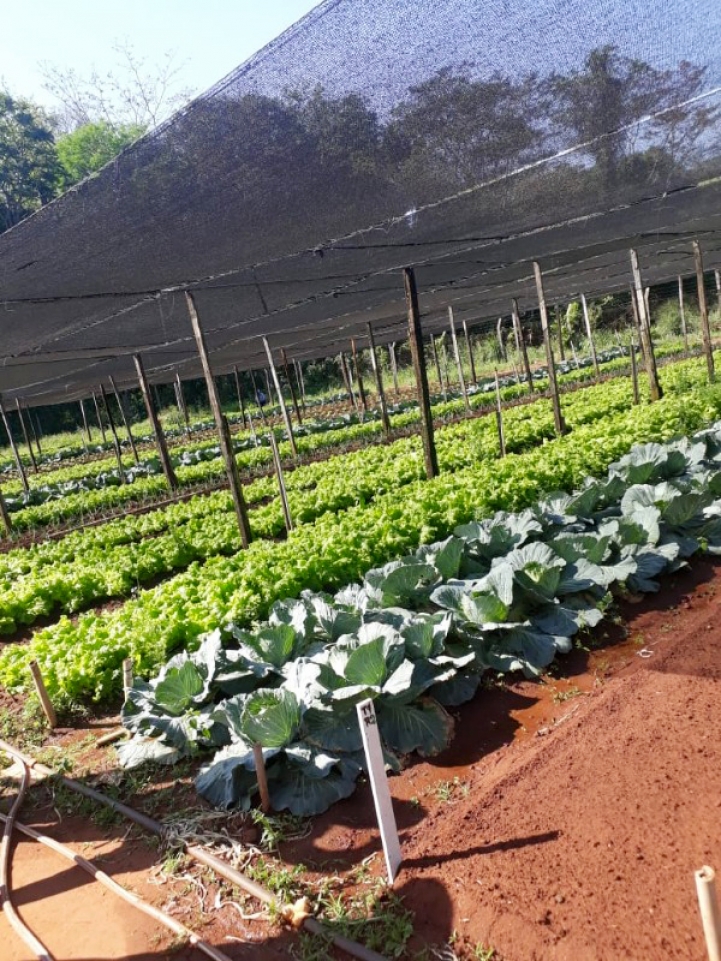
(29, 167)
(90, 147)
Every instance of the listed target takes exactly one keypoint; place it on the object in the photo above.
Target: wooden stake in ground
(221, 423)
(239, 395)
(114, 434)
(293, 395)
(20, 467)
(634, 371)
(419, 366)
(385, 422)
(589, 334)
(262, 778)
(459, 365)
(301, 382)
(255, 394)
(553, 384)
(155, 424)
(346, 380)
(359, 377)
(180, 401)
(499, 335)
(127, 675)
(100, 419)
(85, 422)
(499, 418)
(710, 913)
(469, 348)
(637, 322)
(34, 433)
(26, 436)
(441, 384)
(394, 366)
(703, 310)
(47, 704)
(682, 313)
(521, 342)
(5, 515)
(281, 482)
(126, 423)
(561, 351)
(645, 325)
(281, 400)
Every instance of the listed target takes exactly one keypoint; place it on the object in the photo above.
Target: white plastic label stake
(379, 785)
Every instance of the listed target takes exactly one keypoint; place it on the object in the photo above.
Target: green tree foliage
(29, 168)
(91, 146)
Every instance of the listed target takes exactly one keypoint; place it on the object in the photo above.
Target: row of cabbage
(503, 594)
(82, 658)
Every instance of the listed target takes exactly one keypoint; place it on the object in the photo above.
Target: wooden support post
(42, 693)
(385, 422)
(459, 365)
(35, 430)
(650, 357)
(637, 322)
(86, 425)
(499, 418)
(262, 778)
(555, 400)
(682, 314)
(100, 420)
(13, 447)
(561, 351)
(239, 395)
(359, 377)
(589, 334)
(441, 384)
(469, 348)
(281, 482)
(127, 675)
(293, 394)
(419, 366)
(499, 335)
(574, 355)
(155, 424)
(394, 366)
(221, 423)
(301, 382)
(26, 436)
(634, 371)
(5, 515)
(180, 401)
(281, 399)
(647, 302)
(269, 389)
(126, 422)
(516, 374)
(521, 341)
(114, 434)
(346, 380)
(255, 394)
(703, 310)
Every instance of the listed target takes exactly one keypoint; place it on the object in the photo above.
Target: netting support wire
(26, 436)
(221, 422)
(589, 334)
(682, 313)
(359, 378)
(550, 363)
(293, 394)
(459, 363)
(437, 364)
(469, 348)
(415, 335)
(5, 515)
(160, 444)
(378, 375)
(180, 401)
(703, 310)
(99, 418)
(114, 433)
(86, 425)
(281, 400)
(13, 446)
(521, 343)
(124, 418)
(645, 328)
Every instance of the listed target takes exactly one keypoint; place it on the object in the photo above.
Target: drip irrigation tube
(205, 857)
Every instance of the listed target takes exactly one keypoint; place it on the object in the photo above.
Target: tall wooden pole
(634, 371)
(703, 310)
(394, 366)
(637, 322)
(5, 515)
(281, 399)
(26, 436)
(499, 335)
(469, 348)
(239, 395)
(359, 376)
(682, 313)
(13, 447)
(346, 380)
(35, 434)
(441, 384)
(459, 365)
(86, 425)
(555, 400)
(180, 401)
(293, 394)
(281, 482)
(717, 275)
(221, 423)
(561, 351)
(521, 341)
(114, 435)
(100, 419)
(385, 422)
(589, 334)
(126, 423)
(499, 418)
(301, 382)
(269, 389)
(155, 424)
(419, 367)
(255, 393)
(651, 370)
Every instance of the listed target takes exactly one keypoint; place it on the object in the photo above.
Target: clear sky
(209, 37)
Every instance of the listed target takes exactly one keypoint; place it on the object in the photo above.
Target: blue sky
(210, 37)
